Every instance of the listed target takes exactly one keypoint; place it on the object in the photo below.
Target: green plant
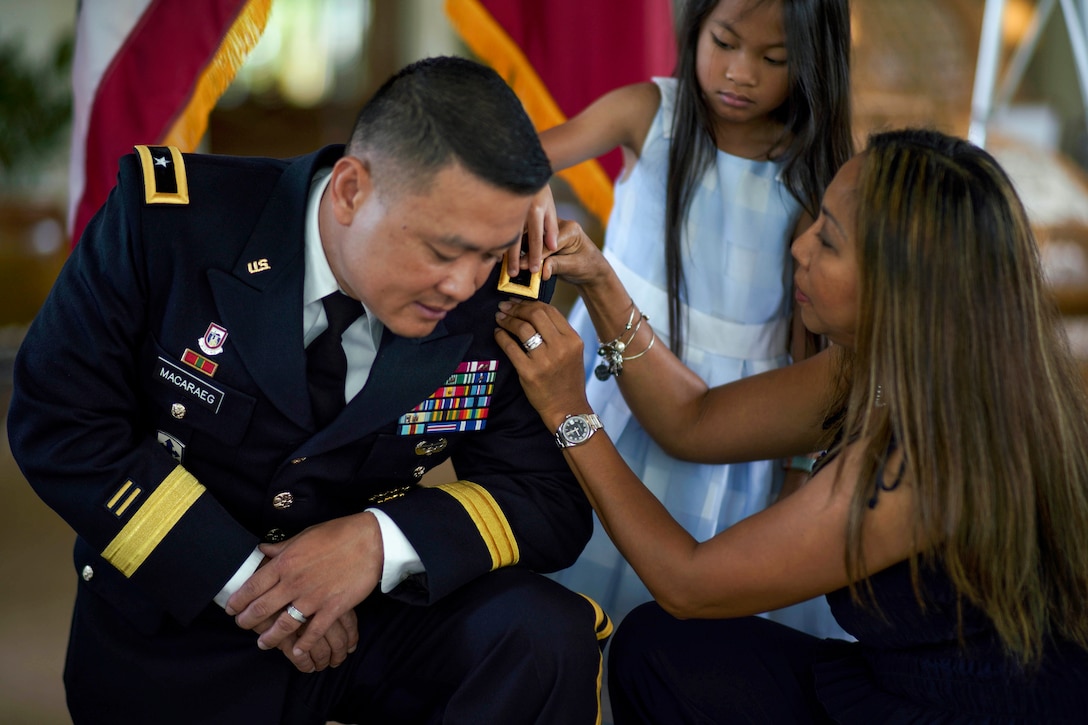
(35, 105)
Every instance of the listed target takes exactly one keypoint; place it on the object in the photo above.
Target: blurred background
(915, 62)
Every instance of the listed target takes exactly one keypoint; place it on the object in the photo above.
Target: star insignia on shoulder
(162, 161)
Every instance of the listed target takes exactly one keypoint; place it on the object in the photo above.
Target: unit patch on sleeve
(173, 445)
(461, 404)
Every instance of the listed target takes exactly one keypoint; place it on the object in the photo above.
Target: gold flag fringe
(488, 40)
(192, 120)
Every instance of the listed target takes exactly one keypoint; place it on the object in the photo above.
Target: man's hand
(324, 572)
(339, 641)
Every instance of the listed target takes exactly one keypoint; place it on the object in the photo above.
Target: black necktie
(326, 363)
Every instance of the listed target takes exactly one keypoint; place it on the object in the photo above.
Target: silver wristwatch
(576, 429)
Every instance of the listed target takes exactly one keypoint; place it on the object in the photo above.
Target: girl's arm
(620, 118)
(785, 554)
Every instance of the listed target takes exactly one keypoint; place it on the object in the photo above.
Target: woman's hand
(550, 369)
(541, 232)
(577, 259)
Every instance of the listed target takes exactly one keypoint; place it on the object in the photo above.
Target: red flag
(148, 72)
(561, 55)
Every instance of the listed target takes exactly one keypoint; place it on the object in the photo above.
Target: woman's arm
(787, 553)
(773, 415)
(620, 118)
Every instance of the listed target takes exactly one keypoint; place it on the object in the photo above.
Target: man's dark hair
(442, 110)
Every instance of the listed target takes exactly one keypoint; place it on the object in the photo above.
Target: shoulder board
(523, 285)
(164, 175)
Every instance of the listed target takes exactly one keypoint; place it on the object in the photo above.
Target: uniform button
(274, 535)
(283, 500)
(296, 461)
(419, 471)
(177, 410)
(88, 573)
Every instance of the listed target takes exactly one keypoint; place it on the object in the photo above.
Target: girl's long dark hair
(817, 138)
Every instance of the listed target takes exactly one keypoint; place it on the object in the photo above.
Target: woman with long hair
(945, 522)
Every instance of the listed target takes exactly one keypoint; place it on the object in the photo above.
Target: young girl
(724, 165)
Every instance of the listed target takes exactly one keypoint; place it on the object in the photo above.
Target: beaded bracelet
(612, 351)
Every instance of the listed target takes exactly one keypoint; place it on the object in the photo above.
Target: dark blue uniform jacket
(171, 463)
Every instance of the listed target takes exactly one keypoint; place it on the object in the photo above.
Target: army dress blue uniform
(161, 408)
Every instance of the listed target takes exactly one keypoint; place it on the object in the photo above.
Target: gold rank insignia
(523, 285)
(164, 175)
(123, 498)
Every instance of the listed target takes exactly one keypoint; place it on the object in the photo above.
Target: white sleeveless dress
(739, 278)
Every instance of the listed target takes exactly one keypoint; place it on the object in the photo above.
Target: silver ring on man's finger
(533, 342)
(296, 615)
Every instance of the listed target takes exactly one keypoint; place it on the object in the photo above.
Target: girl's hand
(541, 232)
(551, 372)
(577, 259)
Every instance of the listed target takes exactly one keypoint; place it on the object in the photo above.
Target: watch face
(575, 429)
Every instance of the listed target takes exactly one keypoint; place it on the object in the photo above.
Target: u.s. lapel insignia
(258, 265)
(212, 342)
(197, 361)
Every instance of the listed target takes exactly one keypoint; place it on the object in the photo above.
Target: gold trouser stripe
(600, 678)
(485, 512)
(151, 523)
(602, 625)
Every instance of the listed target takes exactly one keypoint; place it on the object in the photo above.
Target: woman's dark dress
(910, 667)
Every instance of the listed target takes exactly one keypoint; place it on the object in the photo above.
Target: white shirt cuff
(245, 571)
(401, 558)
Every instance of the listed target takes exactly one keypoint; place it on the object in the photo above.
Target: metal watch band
(590, 423)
